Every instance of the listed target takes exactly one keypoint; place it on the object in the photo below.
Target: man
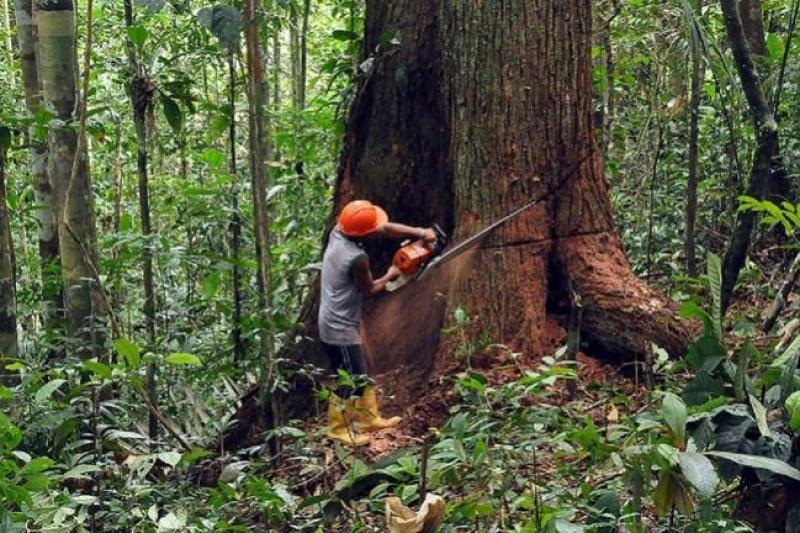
(346, 280)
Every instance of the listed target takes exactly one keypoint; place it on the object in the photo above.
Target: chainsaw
(413, 256)
(415, 259)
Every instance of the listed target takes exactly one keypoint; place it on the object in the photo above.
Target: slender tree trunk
(766, 148)
(236, 220)
(74, 198)
(698, 73)
(8, 30)
(303, 59)
(8, 306)
(609, 99)
(117, 293)
(260, 151)
(276, 70)
(52, 287)
(294, 54)
(141, 90)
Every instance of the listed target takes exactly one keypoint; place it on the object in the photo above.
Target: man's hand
(430, 235)
(393, 273)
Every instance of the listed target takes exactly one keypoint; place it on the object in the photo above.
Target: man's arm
(368, 285)
(394, 230)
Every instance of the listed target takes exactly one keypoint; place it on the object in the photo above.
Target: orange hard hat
(360, 218)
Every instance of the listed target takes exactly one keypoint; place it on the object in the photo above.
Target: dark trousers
(349, 358)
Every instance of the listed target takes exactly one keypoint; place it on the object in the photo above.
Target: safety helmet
(360, 218)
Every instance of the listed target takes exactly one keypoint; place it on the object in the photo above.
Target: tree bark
(74, 198)
(142, 93)
(52, 288)
(698, 73)
(752, 17)
(8, 306)
(765, 152)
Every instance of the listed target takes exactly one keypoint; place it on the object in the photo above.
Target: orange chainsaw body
(410, 257)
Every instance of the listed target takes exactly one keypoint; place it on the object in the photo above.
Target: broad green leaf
(760, 413)
(125, 222)
(792, 356)
(774, 47)
(692, 310)
(130, 351)
(15, 367)
(674, 412)
(172, 112)
(211, 284)
(5, 138)
(48, 389)
(703, 388)
(171, 522)
(97, 368)
(171, 458)
(80, 471)
(138, 35)
(755, 461)
(38, 465)
(792, 406)
(183, 359)
(344, 35)
(700, 472)
(84, 499)
(37, 482)
(6, 393)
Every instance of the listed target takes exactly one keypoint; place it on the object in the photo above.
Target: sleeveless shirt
(340, 297)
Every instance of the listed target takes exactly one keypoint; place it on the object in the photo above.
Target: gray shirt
(340, 297)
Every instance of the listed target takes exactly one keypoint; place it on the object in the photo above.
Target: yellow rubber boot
(369, 416)
(338, 427)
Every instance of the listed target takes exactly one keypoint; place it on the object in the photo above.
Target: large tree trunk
(479, 108)
(43, 191)
(74, 198)
(8, 306)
